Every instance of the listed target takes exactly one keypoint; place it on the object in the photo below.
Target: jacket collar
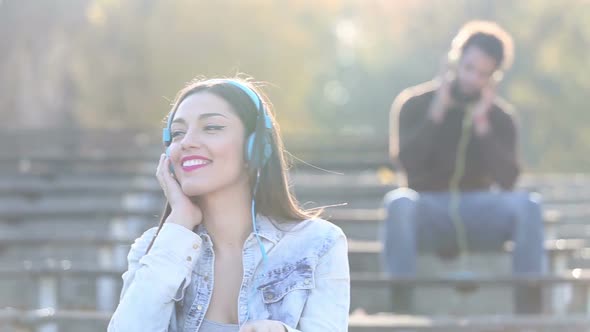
(267, 229)
(264, 226)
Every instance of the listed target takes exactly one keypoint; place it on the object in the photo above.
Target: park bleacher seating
(67, 220)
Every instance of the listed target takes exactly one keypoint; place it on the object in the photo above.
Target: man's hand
(442, 100)
(482, 109)
(263, 326)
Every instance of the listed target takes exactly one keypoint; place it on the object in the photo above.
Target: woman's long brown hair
(274, 197)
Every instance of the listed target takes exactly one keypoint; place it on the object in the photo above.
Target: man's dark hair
(489, 37)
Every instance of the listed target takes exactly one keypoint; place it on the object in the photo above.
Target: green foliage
(332, 66)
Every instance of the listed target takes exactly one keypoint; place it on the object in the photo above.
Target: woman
(233, 251)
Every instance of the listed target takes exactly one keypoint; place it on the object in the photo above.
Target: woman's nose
(191, 139)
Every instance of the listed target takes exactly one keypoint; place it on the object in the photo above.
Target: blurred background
(331, 66)
(85, 86)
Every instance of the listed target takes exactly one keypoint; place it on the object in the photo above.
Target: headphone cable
(454, 190)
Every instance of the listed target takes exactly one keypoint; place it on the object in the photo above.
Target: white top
(211, 326)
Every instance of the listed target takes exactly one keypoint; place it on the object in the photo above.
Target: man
(456, 142)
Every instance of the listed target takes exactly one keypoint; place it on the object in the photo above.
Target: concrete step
(361, 322)
(366, 224)
(320, 193)
(366, 256)
(90, 321)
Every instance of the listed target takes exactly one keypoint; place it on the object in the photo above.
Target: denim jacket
(304, 283)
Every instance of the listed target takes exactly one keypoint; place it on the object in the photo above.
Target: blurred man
(456, 141)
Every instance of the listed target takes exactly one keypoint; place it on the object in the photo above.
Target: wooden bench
(108, 259)
(365, 223)
(358, 322)
(48, 274)
(50, 319)
(360, 251)
(366, 252)
(495, 323)
(558, 252)
(365, 257)
(88, 210)
(347, 191)
(45, 278)
(112, 167)
(110, 161)
(144, 163)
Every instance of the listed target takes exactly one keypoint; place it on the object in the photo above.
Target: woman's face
(207, 149)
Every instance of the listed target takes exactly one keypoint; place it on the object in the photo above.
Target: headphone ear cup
(166, 136)
(249, 147)
(170, 168)
(267, 149)
(250, 154)
(452, 58)
(498, 76)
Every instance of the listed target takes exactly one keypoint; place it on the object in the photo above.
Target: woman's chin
(193, 190)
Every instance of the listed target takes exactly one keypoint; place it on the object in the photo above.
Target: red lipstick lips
(191, 163)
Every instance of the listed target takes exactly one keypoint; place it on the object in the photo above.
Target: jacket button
(189, 258)
(199, 307)
(269, 296)
(195, 246)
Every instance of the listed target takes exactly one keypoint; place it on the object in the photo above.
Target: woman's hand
(263, 326)
(184, 211)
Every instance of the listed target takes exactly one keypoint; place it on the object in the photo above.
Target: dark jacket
(427, 151)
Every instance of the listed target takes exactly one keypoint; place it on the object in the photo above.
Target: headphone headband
(254, 97)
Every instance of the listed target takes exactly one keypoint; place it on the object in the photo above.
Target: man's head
(480, 52)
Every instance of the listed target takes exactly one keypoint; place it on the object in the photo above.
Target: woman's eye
(213, 127)
(176, 133)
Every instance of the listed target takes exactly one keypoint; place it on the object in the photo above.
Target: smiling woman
(233, 250)
(207, 136)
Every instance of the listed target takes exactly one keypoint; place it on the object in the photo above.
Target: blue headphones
(256, 153)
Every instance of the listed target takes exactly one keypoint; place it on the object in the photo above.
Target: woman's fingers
(165, 178)
(248, 328)
(159, 173)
